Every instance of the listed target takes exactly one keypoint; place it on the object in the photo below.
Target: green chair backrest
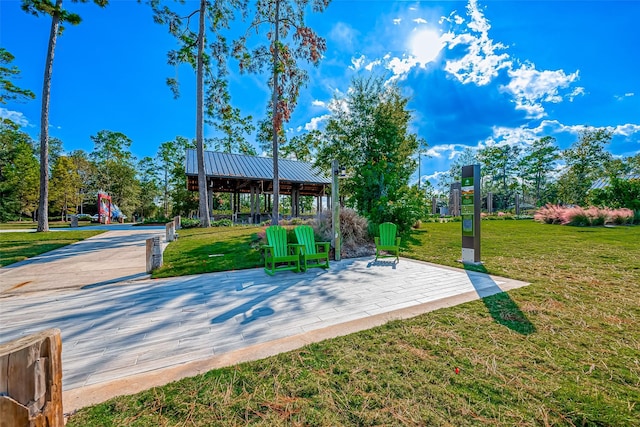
(388, 234)
(277, 237)
(305, 236)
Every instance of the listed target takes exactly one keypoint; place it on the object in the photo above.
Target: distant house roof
(604, 182)
(236, 172)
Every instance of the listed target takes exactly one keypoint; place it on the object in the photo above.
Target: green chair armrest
(324, 245)
(397, 241)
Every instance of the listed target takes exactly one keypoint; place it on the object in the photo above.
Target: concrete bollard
(154, 254)
(169, 231)
(31, 381)
(74, 221)
(177, 222)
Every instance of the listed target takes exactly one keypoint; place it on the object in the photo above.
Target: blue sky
(478, 72)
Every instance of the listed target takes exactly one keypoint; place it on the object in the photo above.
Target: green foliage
(586, 160)
(370, 137)
(499, 163)
(222, 223)
(116, 170)
(9, 91)
(189, 223)
(620, 193)
(19, 174)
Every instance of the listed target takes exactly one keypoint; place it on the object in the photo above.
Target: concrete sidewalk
(126, 337)
(117, 255)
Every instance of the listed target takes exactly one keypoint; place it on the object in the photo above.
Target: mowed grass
(563, 351)
(18, 246)
(213, 249)
(27, 225)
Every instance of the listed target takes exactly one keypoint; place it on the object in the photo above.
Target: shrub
(189, 223)
(621, 216)
(580, 217)
(222, 223)
(354, 229)
(575, 216)
(157, 220)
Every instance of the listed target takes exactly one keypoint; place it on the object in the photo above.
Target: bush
(222, 223)
(354, 229)
(189, 223)
(580, 217)
(157, 220)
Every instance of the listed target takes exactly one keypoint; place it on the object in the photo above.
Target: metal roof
(240, 166)
(604, 182)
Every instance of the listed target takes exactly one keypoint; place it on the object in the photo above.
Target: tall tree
(469, 156)
(18, 172)
(233, 128)
(149, 185)
(9, 91)
(289, 40)
(115, 169)
(538, 162)
(65, 182)
(58, 17)
(194, 50)
(302, 147)
(500, 164)
(87, 174)
(585, 161)
(370, 137)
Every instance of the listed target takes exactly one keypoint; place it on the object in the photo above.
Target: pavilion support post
(251, 204)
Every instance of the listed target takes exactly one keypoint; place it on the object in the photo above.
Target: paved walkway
(117, 255)
(125, 337)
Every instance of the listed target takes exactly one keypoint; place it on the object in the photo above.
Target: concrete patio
(125, 337)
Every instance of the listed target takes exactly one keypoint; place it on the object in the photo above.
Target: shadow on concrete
(500, 305)
(137, 276)
(379, 263)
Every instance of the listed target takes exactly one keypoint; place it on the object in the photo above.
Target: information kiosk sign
(470, 211)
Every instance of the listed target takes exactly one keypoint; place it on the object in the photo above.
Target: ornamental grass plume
(620, 216)
(575, 216)
(549, 214)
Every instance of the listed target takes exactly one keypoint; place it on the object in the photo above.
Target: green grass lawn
(19, 246)
(27, 225)
(212, 249)
(563, 351)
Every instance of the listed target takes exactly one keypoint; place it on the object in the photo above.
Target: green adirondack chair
(278, 251)
(312, 254)
(387, 242)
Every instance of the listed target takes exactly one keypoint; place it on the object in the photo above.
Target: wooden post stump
(31, 381)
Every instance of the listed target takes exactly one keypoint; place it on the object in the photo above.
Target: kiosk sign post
(470, 211)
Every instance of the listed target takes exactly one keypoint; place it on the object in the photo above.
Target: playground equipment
(108, 211)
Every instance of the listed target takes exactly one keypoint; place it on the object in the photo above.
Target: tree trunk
(202, 177)
(274, 102)
(43, 204)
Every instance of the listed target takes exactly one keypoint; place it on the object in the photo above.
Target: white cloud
(15, 116)
(531, 88)
(315, 122)
(397, 21)
(374, 63)
(626, 95)
(420, 21)
(624, 130)
(434, 175)
(481, 63)
(453, 150)
(357, 62)
(579, 91)
(318, 103)
(400, 67)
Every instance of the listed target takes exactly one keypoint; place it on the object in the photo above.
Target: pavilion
(242, 174)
